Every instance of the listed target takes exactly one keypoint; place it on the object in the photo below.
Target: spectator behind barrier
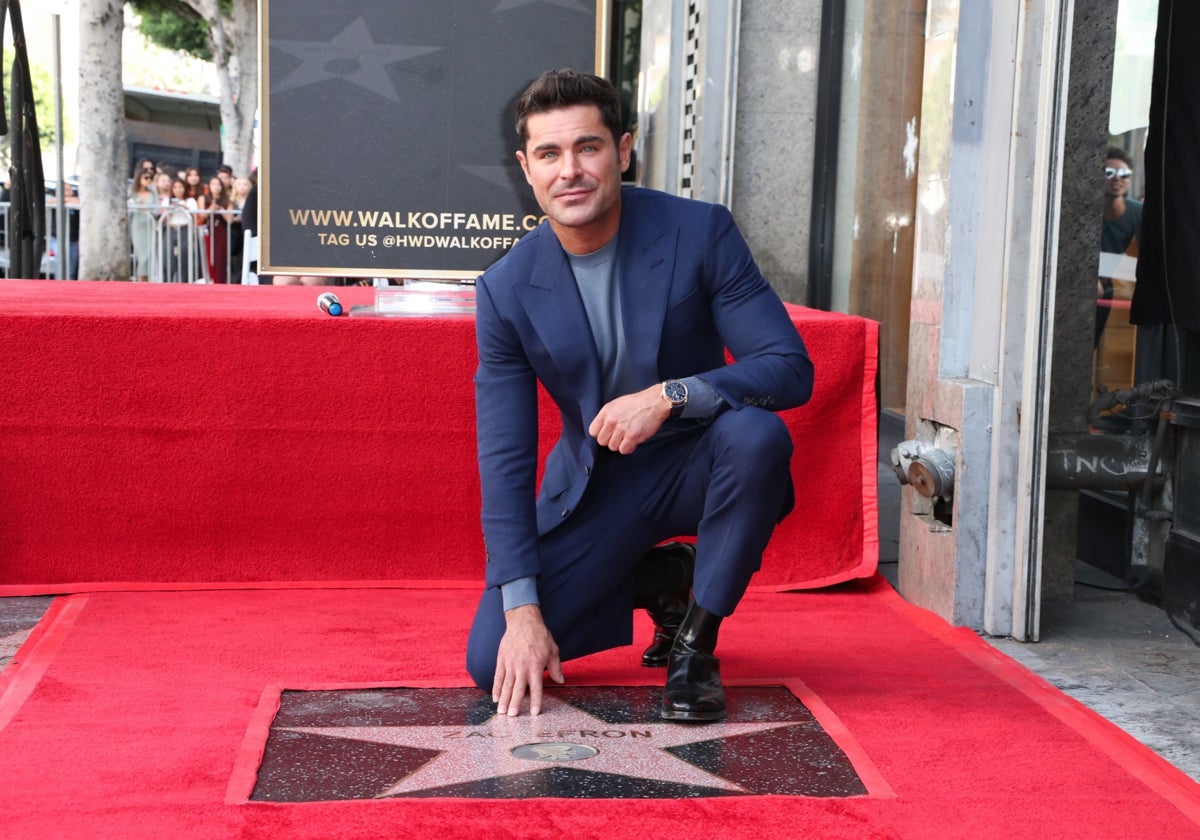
(143, 207)
(217, 249)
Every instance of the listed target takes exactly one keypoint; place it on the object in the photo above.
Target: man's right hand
(626, 422)
(527, 650)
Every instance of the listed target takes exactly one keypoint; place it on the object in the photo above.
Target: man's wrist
(519, 592)
(524, 614)
(675, 394)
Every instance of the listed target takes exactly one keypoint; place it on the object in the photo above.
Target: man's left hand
(628, 421)
(526, 651)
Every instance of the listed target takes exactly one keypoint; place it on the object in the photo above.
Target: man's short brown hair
(1117, 153)
(556, 89)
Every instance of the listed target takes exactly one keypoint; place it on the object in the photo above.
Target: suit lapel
(647, 263)
(557, 314)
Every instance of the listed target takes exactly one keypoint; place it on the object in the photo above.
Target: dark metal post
(27, 216)
(825, 155)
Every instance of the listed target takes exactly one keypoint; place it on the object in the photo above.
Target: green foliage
(43, 103)
(174, 25)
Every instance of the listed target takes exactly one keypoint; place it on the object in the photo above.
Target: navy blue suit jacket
(689, 290)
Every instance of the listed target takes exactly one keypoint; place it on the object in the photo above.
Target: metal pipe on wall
(62, 226)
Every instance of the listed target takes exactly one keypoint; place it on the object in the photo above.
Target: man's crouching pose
(622, 306)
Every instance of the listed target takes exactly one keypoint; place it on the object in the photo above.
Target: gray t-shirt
(600, 287)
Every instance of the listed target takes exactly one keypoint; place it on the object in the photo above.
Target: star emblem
(554, 752)
(352, 55)
(495, 748)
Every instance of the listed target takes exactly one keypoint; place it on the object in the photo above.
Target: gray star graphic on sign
(563, 735)
(574, 5)
(352, 55)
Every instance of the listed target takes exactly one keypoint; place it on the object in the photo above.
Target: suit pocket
(556, 479)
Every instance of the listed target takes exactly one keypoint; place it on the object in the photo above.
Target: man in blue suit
(622, 306)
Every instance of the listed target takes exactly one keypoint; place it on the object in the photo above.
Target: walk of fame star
(485, 752)
(600, 742)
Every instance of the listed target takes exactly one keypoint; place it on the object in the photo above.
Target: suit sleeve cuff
(703, 401)
(519, 592)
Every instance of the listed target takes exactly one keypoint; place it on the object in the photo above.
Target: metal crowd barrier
(48, 267)
(185, 247)
(180, 243)
(176, 249)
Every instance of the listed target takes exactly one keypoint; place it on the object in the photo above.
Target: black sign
(387, 130)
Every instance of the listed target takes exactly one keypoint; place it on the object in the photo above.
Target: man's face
(1116, 186)
(575, 167)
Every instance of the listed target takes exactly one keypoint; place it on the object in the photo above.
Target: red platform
(186, 436)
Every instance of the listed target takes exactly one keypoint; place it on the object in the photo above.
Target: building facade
(933, 165)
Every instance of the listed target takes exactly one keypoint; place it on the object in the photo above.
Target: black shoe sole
(672, 714)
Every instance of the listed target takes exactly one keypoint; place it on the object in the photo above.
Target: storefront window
(1123, 184)
(883, 56)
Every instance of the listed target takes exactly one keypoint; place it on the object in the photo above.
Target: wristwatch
(676, 393)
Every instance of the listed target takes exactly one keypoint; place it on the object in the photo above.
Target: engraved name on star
(352, 55)
(476, 753)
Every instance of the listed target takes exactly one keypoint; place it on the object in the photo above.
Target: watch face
(675, 392)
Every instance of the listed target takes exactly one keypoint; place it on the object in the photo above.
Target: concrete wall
(751, 143)
(992, 130)
(941, 395)
(773, 150)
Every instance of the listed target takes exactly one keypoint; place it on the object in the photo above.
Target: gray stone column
(1089, 93)
(773, 153)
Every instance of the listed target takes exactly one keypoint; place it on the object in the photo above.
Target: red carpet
(303, 468)
(160, 434)
(126, 714)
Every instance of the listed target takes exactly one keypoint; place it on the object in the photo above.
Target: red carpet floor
(126, 713)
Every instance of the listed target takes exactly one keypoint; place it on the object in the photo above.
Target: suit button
(566, 512)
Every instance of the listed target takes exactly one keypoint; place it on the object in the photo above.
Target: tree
(225, 32)
(174, 25)
(104, 226)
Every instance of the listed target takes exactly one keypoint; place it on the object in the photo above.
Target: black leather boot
(662, 587)
(694, 691)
